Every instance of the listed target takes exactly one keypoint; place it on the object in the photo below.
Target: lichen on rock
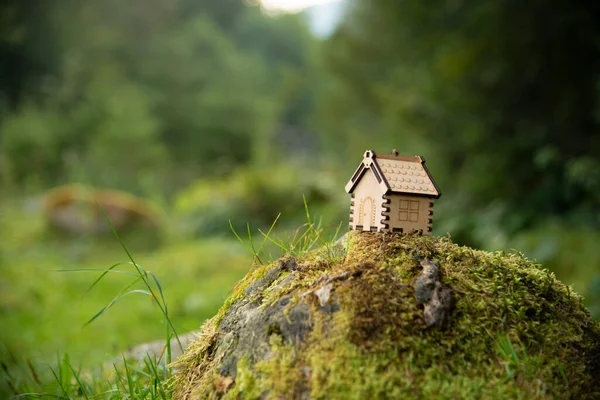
(398, 316)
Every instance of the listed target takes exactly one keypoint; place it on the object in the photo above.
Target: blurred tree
(289, 52)
(225, 13)
(503, 95)
(30, 48)
(194, 87)
(123, 148)
(208, 95)
(109, 138)
(30, 142)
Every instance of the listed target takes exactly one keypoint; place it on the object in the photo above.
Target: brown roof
(401, 174)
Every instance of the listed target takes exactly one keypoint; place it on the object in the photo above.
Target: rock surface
(436, 298)
(398, 316)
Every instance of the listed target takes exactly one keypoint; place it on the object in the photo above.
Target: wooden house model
(392, 193)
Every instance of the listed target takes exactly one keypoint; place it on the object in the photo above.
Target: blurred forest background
(177, 116)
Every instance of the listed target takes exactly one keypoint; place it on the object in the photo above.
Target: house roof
(397, 174)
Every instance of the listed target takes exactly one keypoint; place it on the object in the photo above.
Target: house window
(409, 211)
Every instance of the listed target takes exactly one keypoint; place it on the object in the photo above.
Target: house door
(367, 214)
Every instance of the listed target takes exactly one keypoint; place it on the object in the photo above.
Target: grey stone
(248, 325)
(436, 298)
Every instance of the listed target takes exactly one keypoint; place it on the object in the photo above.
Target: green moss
(247, 382)
(286, 376)
(515, 331)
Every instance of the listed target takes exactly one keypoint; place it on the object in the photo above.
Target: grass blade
(60, 384)
(114, 271)
(250, 248)
(141, 272)
(129, 379)
(114, 301)
(268, 233)
(102, 276)
(162, 297)
(81, 388)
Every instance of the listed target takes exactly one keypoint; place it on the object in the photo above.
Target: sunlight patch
(286, 6)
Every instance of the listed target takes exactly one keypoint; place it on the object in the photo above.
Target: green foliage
(46, 310)
(256, 197)
(219, 113)
(499, 95)
(31, 141)
(123, 149)
(291, 51)
(213, 107)
(151, 100)
(120, 147)
(593, 296)
(26, 369)
(30, 47)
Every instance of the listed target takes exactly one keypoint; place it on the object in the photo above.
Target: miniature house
(392, 193)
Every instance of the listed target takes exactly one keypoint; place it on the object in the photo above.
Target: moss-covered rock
(396, 317)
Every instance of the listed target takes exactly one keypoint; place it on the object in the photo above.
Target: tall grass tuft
(304, 239)
(250, 244)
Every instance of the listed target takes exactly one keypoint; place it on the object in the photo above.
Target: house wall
(410, 213)
(366, 206)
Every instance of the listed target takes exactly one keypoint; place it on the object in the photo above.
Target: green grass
(145, 379)
(296, 243)
(91, 299)
(44, 312)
